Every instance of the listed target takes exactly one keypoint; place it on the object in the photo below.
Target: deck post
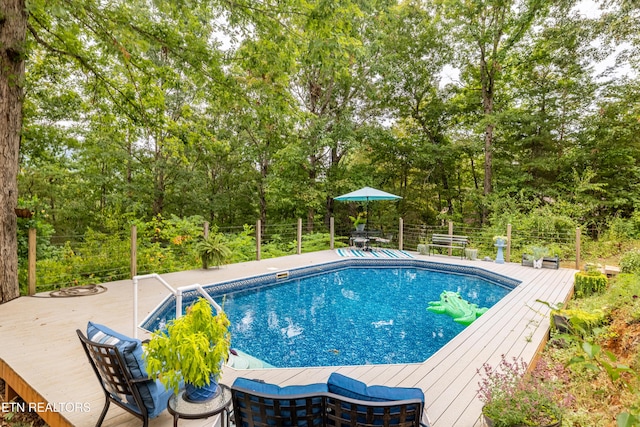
(134, 251)
(258, 239)
(577, 248)
(450, 234)
(400, 235)
(299, 236)
(332, 229)
(31, 273)
(508, 250)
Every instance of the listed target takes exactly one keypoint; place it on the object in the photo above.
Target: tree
(13, 28)
(329, 86)
(549, 81)
(486, 31)
(93, 37)
(411, 56)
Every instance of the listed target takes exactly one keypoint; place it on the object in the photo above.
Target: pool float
(462, 311)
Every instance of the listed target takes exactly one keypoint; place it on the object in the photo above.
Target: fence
(96, 257)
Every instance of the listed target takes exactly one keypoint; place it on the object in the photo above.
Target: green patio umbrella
(366, 194)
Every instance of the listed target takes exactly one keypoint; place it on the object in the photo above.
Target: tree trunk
(13, 30)
(487, 80)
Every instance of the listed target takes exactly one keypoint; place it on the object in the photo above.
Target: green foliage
(622, 229)
(40, 221)
(318, 242)
(536, 252)
(630, 262)
(625, 419)
(192, 349)
(99, 258)
(588, 283)
(213, 250)
(594, 358)
(533, 224)
(243, 245)
(361, 218)
(581, 323)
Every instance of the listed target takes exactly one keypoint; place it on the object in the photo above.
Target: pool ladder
(176, 292)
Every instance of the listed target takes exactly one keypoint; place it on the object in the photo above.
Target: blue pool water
(351, 316)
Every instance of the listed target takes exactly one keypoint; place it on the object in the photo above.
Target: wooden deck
(41, 358)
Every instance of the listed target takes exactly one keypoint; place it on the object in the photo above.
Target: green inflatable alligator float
(462, 311)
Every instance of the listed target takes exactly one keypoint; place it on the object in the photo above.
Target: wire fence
(95, 257)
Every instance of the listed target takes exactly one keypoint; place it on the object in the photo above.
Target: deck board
(38, 341)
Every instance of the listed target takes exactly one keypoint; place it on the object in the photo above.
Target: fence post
(331, 233)
(299, 236)
(400, 235)
(134, 251)
(31, 274)
(450, 234)
(577, 248)
(205, 236)
(258, 239)
(508, 254)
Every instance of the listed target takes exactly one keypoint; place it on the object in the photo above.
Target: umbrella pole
(366, 224)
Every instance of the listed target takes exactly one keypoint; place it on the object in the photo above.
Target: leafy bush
(318, 242)
(622, 229)
(588, 283)
(630, 262)
(580, 322)
(242, 245)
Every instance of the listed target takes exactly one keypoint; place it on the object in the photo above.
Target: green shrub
(581, 323)
(588, 283)
(621, 229)
(630, 262)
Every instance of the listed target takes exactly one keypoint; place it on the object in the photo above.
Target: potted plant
(471, 253)
(513, 397)
(537, 255)
(191, 351)
(213, 250)
(359, 221)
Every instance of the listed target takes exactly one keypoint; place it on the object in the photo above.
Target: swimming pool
(350, 312)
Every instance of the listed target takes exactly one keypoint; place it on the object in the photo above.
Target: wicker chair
(117, 381)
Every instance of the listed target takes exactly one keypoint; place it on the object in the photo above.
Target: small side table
(180, 408)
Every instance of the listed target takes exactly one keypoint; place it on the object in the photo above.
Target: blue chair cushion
(354, 389)
(290, 413)
(153, 393)
(266, 388)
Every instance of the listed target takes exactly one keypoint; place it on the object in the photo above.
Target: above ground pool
(351, 312)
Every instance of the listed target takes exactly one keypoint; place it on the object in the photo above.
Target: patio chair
(341, 402)
(116, 361)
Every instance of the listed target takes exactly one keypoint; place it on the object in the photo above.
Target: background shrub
(588, 283)
(630, 262)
